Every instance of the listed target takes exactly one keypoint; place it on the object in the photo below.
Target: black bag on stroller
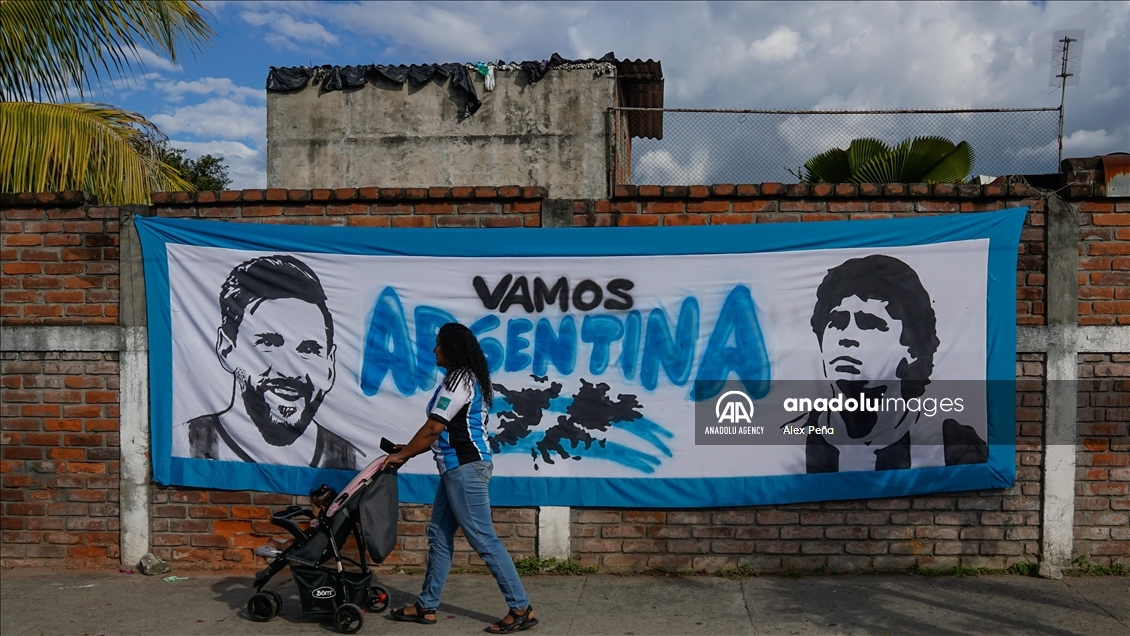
(367, 509)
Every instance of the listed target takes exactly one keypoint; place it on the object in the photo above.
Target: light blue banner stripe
(1001, 228)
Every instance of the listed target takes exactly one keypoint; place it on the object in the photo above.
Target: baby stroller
(367, 508)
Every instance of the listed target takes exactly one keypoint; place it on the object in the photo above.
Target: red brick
(502, 221)
(755, 206)
(347, 210)
(709, 206)
(457, 221)
(25, 509)
(208, 512)
(684, 219)
(79, 254)
(15, 269)
(663, 207)
(32, 410)
(261, 210)
(369, 221)
(846, 206)
(776, 518)
(22, 452)
(892, 206)
(229, 528)
(41, 439)
(23, 240)
(413, 221)
(731, 219)
(636, 220)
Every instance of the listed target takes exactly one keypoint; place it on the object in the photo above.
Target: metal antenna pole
(1063, 75)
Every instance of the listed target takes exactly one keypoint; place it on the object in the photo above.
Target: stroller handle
(359, 480)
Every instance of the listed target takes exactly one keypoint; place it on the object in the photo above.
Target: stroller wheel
(262, 608)
(277, 599)
(378, 599)
(348, 618)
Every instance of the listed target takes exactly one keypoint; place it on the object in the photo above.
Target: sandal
(399, 614)
(521, 622)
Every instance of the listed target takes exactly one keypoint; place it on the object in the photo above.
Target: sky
(787, 55)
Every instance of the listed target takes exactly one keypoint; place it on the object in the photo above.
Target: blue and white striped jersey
(464, 440)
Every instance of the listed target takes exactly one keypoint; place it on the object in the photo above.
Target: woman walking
(456, 433)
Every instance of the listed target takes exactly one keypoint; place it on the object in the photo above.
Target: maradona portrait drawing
(877, 333)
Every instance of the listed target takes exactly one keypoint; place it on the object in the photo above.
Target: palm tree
(917, 160)
(53, 49)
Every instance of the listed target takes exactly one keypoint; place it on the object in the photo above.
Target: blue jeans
(463, 501)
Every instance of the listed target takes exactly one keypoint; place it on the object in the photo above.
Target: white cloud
(152, 60)
(247, 166)
(730, 55)
(779, 46)
(660, 166)
(288, 32)
(217, 118)
(1089, 143)
(220, 86)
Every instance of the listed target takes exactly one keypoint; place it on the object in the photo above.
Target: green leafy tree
(53, 49)
(206, 172)
(917, 160)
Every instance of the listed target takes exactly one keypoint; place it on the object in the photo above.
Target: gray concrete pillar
(133, 396)
(553, 532)
(1058, 488)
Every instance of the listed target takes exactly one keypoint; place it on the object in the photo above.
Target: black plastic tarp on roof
(336, 78)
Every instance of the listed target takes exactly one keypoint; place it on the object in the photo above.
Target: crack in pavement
(580, 597)
(1089, 601)
(748, 611)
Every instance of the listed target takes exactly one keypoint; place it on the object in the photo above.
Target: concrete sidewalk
(92, 603)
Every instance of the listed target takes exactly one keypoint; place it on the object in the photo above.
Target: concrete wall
(75, 455)
(549, 134)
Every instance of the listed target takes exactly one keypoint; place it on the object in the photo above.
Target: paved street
(93, 603)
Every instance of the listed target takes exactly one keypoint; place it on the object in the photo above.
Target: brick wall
(1104, 263)
(517, 527)
(60, 261)
(993, 528)
(60, 457)
(62, 242)
(508, 206)
(1102, 486)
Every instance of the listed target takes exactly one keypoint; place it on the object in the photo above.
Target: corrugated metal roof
(640, 85)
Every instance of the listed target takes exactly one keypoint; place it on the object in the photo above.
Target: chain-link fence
(701, 146)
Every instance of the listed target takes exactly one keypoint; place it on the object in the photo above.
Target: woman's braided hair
(464, 358)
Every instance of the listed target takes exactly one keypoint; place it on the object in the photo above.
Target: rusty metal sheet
(1116, 171)
(640, 84)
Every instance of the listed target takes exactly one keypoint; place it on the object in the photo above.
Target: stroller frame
(343, 594)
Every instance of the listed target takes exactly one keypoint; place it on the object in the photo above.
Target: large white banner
(622, 376)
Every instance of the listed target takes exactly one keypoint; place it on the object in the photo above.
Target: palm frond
(925, 153)
(828, 167)
(863, 151)
(954, 167)
(96, 148)
(49, 48)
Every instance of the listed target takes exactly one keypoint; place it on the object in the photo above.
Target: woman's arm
(420, 443)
